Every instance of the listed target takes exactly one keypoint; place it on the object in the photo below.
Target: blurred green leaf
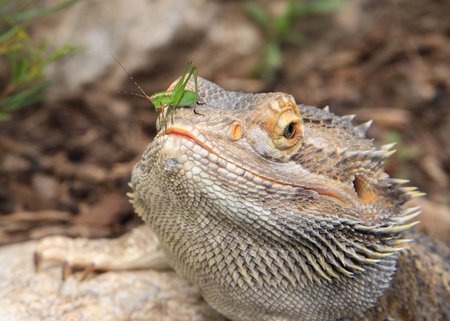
(284, 22)
(272, 61)
(23, 98)
(61, 52)
(404, 152)
(392, 136)
(293, 38)
(33, 13)
(258, 13)
(278, 29)
(323, 6)
(25, 58)
(4, 116)
(11, 34)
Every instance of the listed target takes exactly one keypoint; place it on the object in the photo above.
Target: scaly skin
(284, 212)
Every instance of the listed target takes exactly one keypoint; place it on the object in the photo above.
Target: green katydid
(176, 97)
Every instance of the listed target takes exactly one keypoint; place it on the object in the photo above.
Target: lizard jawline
(181, 132)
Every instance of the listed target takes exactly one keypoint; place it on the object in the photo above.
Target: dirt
(64, 167)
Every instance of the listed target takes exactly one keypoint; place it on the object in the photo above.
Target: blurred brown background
(65, 162)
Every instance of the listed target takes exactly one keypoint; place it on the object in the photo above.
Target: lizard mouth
(186, 134)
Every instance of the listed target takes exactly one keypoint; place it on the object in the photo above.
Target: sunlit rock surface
(132, 295)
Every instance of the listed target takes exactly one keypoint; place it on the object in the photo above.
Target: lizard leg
(138, 249)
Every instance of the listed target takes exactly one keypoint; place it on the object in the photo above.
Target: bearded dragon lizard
(282, 212)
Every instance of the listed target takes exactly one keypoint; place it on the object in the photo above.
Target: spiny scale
(408, 215)
(362, 129)
(370, 154)
(349, 117)
(388, 146)
(399, 181)
(391, 229)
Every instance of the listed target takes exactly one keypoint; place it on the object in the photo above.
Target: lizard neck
(422, 277)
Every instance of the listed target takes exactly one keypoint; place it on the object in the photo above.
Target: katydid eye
(290, 130)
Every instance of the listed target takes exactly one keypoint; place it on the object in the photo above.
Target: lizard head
(280, 177)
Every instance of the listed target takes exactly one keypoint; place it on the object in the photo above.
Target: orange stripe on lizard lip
(178, 131)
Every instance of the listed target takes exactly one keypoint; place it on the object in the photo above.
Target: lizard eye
(280, 129)
(289, 130)
(284, 125)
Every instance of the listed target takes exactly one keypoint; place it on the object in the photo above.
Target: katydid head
(160, 100)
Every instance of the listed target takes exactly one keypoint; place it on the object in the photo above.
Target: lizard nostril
(170, 164)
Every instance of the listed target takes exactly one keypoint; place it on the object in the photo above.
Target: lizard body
(279, 211)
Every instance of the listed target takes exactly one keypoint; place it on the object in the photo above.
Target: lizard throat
(183, 133)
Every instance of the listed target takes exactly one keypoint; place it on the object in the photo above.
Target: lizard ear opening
(363, 190)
